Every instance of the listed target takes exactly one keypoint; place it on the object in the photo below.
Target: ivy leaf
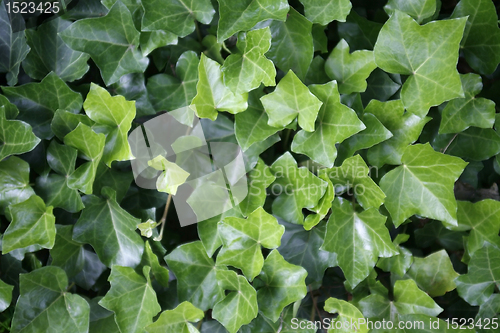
(368, 239)
(16, 137)
(195, 272)
(170, 93)
(177, 320)
(50, 54)
(172, 176)
(212, 95)
(324, 204)
(209, 232)
(115, 54)
(350, 69)
(292, 46)
(347, 314)
(242, 240)
(64, 122)
(360, 33)
(245, 70)
(100, 318)
(113, 116)
(474, 143)
(489, 309)
(133, 88)
(434, 273)
(405, 47)
(325, 11)
(150, 259)
(431, 176)
(45, 305)
(131, 298)
(381, 86)
(5, 295)
(31, 223)
(14, 182)
(461, 113)
(405, 127)
(290, 100)
(110, 230)
(242, 297)
(298, 189)
(334, 124)
(243, 15)
(400, 263)
(481, 41)
(37, 102)
(67, 253)
(91, 145)
(420, 10)
(152, 40)
(483, 275)
(284, 284)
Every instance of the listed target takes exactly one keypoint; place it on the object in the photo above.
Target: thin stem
(70, 286)
(449, 143)
(198, 32)
(315, 307)
(164, 218)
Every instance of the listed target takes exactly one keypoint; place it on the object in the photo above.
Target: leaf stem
(164, 218)
(449, 143)
(315, 306)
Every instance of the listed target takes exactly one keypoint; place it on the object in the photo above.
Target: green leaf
(151, 40)
(208, 231)
(67, 253)
(242, 297)
(434, 274)
(195, 272)
(177, 16)
(50, 54)
(31, 223)
(358, 239)
(45, 305)
(101, 319)
(284, 284)
(177, 320)
(381, 86)
(242, 240)
(64, 122)
(131, 298)
(212, 95)
(119, 181)
(347, 314)
(360, 33)
(5, 295)
(324, 204)
(420, 10)
(431, 176)
(481, 41)
(354, 176)
(115, 54)
(133, 88)
(16, 137)
(243, 15)
(325, 11)
(483, 275)
(110, 230)
(113, 116)
(461, 113)
(37, 102)
(474, 143)
(405, 127)
(292, 46)
(150, 259)
(334, 124)
(214, 48)
(400, 263)
(296, 188)
(425, 53)
(290, 100)
(14, 182)
(488, 311)
(245, 70)
(350, 69)
(172, 176)
(170, 93)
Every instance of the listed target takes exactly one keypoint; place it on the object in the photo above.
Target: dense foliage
(371, 149)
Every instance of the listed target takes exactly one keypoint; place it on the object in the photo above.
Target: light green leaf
(290, 100)
(37, 102)
(405, 127)
(334, 124)
(5, 295)
(358, 239)
(400, 263)
(170, 93)
(350, 69)
(177, 320)
(242, 240)
(214, 48)
(133, 88)
(430, 176)
(14, 182)
(481, 41)
(115, 54)
(146, 228)
(50, 54)
(284, 284)
(245, 70)
(243, 15)
(16, 137)
(483, 275)
(172, 176)
(212, 95)
(64, 122)
(131, 298)
(427, 53)
(325, 11)
(292, 46)
(420, 10)
(110, 230)
(31, 223)
(45, 305)
(461, 113)
(434, 274)
(296, 188)
(324, 204)
(242, 298)
(347, 314)
(195, 272)
(151, 40)
(474, 143)
(208, 230)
